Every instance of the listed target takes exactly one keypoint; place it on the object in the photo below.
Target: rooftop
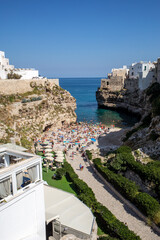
(68, 209)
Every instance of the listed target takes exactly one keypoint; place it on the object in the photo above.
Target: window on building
(145, 67)
(27, 176)
(107, 83)
(5, 187)
(132, 73)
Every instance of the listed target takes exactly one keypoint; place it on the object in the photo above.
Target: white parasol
(48, 154)
(48, 147)
(59, 155)
(48, 150)
(59, 160)
(50, 158)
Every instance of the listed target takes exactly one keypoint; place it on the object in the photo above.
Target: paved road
(105, 196)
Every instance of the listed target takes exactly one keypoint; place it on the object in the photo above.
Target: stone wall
(112, 84)
(131, 84)
(13, 86)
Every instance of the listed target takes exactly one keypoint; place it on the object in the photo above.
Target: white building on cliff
(28, 208)
(143, 72)
(5, 68)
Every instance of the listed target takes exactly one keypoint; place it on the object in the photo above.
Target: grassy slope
(60, 184)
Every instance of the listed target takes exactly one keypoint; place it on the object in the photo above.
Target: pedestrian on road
(80, 166)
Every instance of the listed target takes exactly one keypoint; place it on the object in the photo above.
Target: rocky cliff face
(25, 116)
(134, 102)
(146, 133)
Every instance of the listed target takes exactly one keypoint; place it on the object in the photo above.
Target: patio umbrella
(59, 160)
(93, 139)
(48, 150)
(49, 158)
(48, 154)
(45, 143)
(48, 147)
(59, 154)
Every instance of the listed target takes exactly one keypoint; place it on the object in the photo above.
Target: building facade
(5, 69)
(115, 80)
(22, 211)
(144, 72)
(29, 207)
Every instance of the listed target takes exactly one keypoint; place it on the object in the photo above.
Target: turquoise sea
(84, 90)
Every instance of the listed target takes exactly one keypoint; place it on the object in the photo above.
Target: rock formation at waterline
(146, 133)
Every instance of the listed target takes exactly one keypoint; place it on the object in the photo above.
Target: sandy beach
(82, 136)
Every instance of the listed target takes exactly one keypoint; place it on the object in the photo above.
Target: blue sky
(79, 38)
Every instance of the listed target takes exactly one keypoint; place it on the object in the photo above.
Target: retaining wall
(13, 86)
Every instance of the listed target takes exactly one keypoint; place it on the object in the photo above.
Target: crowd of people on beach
(75, 136)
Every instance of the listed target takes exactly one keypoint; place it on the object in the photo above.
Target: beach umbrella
(48, 146)
(59, 153)
(48, 154)
(50, 158)
(60, 160)
(93, 139)
(48, 150)
(45, 143)
(40, 149)
(59, 157)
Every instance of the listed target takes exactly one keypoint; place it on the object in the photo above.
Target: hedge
(107, 238)
(147, 204)
(89, 154)
(104, 217)
(83, 191)
(113, 225)
(149, 172)
(127, 187)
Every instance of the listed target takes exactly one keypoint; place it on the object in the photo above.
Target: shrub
(12, 75)
(148, 205)
(107, 238)
(113, 226)
(60, 173)
(26, 143)
(83, 191)
(122, 184)
(104, 217)
(89, 154)
(124, 149)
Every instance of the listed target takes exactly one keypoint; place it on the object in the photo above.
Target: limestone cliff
(146, 133)
(25, 116)
(134, 102)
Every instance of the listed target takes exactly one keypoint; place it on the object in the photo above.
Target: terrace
(17, 170)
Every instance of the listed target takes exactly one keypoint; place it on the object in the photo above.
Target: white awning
(71, 211)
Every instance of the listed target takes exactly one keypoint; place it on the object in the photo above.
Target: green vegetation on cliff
(113, 171)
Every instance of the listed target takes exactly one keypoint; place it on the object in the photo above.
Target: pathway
(105, 196)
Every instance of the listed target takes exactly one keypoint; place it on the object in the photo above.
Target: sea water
(84, 90)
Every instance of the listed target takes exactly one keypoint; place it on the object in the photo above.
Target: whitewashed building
(28, 207)
(5, 68)
(144, 72)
